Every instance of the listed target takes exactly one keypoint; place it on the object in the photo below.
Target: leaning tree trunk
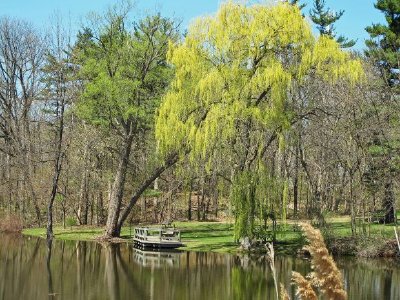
(170, 161)
(117, 190)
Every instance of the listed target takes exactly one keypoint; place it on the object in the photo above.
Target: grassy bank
(218, 236)
(197, 236)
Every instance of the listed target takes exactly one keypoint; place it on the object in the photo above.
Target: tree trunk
(83, 194)
(352, 208)
(202, 204)
(296, 194)
(389, 201)
(170, 161)
(57, 172)
(117, 190)
(189, 212)
(296, 176)
(198, 203)
(215, 194)
(99, 209)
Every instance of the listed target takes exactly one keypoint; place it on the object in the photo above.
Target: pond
(32, 269)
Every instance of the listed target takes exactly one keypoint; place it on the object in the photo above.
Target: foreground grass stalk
(326, 275)
(284, 294)
(397, 238)
(271, 259)
(304, 288)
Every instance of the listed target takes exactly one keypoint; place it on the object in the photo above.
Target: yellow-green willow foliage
(237, 66)
(255, 196)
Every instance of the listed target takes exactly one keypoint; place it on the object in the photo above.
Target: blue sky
(358, 13)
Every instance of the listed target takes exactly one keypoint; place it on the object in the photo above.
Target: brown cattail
(304, 288)
(326, 273)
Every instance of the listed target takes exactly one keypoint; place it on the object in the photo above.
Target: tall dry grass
(271, 260)
(284, 294)
(304, 288)
(325, 277)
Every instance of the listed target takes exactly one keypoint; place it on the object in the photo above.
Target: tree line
(247, 114)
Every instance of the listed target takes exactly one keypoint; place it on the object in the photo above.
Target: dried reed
(304, 288)
(284, 294)
(326, 275)
(271, 260)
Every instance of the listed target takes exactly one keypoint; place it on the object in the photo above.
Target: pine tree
(384, 45)
(324, 18)
(296, 2)
(383, 50)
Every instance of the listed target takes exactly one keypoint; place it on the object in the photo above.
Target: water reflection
(157, 259)
(33, 269)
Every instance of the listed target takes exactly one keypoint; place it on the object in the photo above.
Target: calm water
(29, 269)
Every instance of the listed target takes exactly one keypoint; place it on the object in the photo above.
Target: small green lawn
(207, 236)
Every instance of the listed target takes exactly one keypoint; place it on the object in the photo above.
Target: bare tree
(58, 93)
(21, 59)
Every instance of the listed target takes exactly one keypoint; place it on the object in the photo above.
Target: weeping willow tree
(235, 72)
(254, 196)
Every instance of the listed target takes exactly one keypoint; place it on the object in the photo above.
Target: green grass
(69, 233)
(207, 236)
(197, 236)
(218, 236)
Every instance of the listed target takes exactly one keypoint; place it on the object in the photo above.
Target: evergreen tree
(296, 2)
(383, 50)
(324, 18)
(384, 45)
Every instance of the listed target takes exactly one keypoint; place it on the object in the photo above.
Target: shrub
(11, 223)
(70, 222)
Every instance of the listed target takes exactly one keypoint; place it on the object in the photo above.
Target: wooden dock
(157, 238)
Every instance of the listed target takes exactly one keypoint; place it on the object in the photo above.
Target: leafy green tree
(124, 75)
(234, 72)
(325, 18)
(384, 51)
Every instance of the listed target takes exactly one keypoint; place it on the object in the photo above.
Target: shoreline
(218, 237)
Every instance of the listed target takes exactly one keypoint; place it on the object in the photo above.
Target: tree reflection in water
(88, 270)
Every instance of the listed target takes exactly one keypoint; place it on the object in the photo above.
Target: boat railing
(157, 234)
